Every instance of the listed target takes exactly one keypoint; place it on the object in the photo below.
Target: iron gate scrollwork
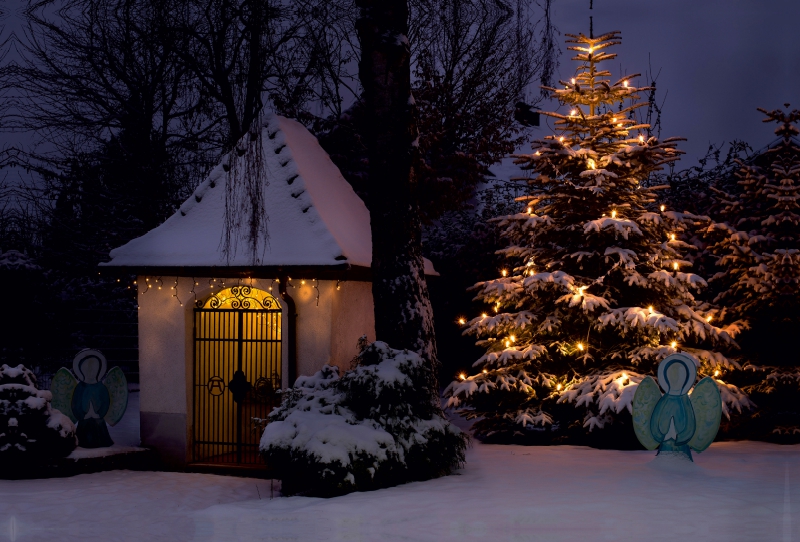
(237, 370)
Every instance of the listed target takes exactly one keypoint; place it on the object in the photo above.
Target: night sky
(719, 61)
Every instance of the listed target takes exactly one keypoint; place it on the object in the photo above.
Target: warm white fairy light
(580, 347)
(572, 80)
(650, 308)
(462, 376)
(716, 373)
(673, 344)
(708, 318)
(675, 265)
(671, 236)
(504, 272)
(484, 315)
(559, 386)
(625, 83)
(485, 371)
(663, 208)
(462, 321)
(614, 213)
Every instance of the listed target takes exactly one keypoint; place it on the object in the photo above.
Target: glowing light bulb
(485, 371)
(504, 272)
(650, 308)
(572, 80)
(462, 321)
(673, 344)
(573, 113)
(716, 373)
(591, 163)
(302, 282)
(484, 315)
(613, 119)
(559, 386)
(671, 236)
(537, 153)
(508, 343)
(513, 338)
(580, 347)
(641, 139)
(709, 318)
(530, 210)
(675, 266)
(663, 208)
(614, 214)
(462, 376)
(561, 139)
(625, 83)
(624, 376)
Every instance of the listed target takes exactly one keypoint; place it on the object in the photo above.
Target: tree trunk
(403, 315)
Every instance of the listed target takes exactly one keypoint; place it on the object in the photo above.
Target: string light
(591, 163)
(580, 347)
(484, 315)
(625, 83)
(462, 376)
(614, 214)
(641, 139)
(673, 344)
(558, 387)
(708, 318)
(507, 343)
(462, 321)
(513, 338)
(650, 308)
(485, 371)
(572, 113)
(675, 266)
(716, 373)
(663, 207)
(504, 272)
(671, 236)
(572, 80)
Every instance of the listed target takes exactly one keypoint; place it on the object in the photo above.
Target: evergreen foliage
(753, 239)
(374, 427)
(31, 430)
(597, 288)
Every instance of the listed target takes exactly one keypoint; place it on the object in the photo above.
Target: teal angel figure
(678, 421)
(90, 400)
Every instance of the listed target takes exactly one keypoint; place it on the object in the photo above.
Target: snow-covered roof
(314, 216)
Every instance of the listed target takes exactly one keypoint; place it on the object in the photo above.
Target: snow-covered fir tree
(32, 431)
(597, 289)
(754, 238)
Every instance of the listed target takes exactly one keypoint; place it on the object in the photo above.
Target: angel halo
(678, 421)
(92, 399)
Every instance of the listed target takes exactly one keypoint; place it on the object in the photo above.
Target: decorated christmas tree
(754, 240)
(597, 288)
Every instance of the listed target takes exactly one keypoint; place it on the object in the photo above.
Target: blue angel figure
(677, 422)
(91, 400)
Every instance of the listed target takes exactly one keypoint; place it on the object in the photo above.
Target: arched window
(238, 354)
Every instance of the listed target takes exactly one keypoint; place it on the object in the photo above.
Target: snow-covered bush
(30, 429)
(375, 426)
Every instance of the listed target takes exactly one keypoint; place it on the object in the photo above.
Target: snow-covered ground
(734, 491)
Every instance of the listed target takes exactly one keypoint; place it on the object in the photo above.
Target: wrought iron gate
(237, 369)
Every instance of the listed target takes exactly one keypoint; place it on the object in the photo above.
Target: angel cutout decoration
(677, 422)
(91, 400)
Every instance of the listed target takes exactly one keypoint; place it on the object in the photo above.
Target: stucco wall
(353, 315)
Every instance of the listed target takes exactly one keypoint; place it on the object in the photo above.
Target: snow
(314, 216)
(734, 491)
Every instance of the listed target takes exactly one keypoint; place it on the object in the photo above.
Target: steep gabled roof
(314, 217)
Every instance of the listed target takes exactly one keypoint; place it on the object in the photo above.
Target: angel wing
(61, 387)
(117, 387)
(707, 406)
(644, 401)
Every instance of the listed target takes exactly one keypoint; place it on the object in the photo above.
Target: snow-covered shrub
(375, 426)
(30, 429)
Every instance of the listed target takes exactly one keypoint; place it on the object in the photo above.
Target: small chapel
(220, 335)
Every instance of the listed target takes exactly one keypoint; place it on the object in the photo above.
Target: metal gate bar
(227, 341)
